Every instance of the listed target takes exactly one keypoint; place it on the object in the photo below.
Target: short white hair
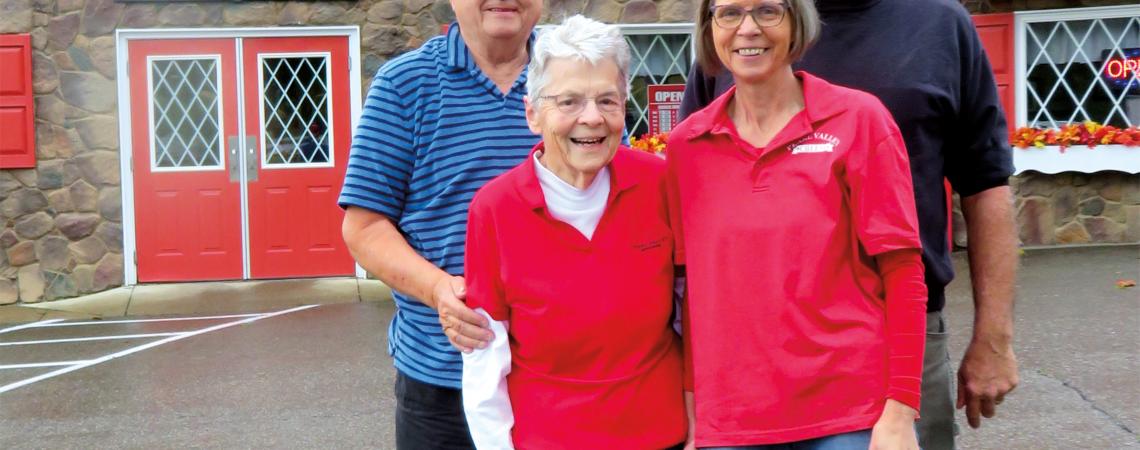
(581, 38)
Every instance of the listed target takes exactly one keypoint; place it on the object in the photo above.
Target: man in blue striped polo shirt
(438, 123)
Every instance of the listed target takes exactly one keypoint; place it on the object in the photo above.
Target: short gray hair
(805, 31)
(580, 38)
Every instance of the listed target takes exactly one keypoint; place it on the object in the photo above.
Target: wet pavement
(319, 377)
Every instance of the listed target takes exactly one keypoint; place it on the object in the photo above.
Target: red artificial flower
(1087, 133)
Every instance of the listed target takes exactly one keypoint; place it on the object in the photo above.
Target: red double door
(239, 149)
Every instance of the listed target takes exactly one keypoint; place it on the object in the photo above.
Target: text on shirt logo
(649, 245)
(817, 142)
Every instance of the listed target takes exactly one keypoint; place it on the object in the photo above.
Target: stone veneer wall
(62, 234)
(1070, 208)
(1076, 208)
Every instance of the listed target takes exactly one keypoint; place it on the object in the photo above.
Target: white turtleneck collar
(580, 208)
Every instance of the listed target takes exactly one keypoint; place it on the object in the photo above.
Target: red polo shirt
(594, 361)
(786, 311)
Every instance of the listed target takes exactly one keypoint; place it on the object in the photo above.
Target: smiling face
(750, 52)
(497, 19)
(579, 145)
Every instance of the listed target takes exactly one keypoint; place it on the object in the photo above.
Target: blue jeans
(856, 440)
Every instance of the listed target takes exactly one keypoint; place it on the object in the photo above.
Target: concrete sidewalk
(229, 297)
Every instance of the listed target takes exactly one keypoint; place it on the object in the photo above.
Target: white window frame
(1080, 158)
(265, 164)
(1022, 19)
(152, 118)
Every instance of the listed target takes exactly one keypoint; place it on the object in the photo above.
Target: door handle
(251, 159)
(233, 161)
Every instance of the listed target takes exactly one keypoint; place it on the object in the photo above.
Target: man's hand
(465, 329)
(989, 368)
(895, 428)
(988, 372)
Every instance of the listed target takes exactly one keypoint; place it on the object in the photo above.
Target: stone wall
(1074, 208)
(1070, 208)
(63, 229)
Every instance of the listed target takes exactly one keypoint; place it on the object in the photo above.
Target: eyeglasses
(765, 14)
(573, 104)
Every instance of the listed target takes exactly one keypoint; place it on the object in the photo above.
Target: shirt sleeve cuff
(486, 401)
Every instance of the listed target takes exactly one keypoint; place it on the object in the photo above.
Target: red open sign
(1123, 68)
(664, 106)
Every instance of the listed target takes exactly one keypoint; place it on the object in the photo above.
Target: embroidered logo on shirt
(644, 246)
(817, 142)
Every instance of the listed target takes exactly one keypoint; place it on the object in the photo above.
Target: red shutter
(996, 31)
(17, 117)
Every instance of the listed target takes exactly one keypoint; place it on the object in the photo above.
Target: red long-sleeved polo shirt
(787, 313)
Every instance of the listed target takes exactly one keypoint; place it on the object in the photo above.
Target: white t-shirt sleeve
(486, 402)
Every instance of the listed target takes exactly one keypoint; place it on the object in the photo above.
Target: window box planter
(1077, 158)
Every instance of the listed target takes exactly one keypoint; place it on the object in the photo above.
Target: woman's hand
(895, 428)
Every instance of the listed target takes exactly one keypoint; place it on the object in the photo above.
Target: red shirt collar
(821, 101)
(622, 177)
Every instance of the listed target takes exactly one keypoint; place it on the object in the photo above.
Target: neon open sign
(1123, 69)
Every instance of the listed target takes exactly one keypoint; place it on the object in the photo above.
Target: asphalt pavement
(1077, 338)
(285, 376)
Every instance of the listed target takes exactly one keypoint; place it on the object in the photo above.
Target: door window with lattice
(186, 113)
(295, 110)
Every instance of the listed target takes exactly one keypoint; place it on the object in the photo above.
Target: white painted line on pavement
(29, 325)
(92, 338)
(167, 319)
(43, 364)
(148, 345)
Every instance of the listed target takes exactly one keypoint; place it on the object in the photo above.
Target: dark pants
(429, 417)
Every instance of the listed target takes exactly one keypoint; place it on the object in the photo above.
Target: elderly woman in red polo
(805, 306)
(570, 256)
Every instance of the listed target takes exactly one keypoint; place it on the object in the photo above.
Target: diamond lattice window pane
(1068, 67)
(295, 110)
(185, 113)
(657, 59)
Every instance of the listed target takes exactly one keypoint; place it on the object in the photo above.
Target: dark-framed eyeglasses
(573, 104)
(765, 14)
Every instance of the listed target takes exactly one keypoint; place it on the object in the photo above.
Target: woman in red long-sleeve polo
(570, 257)
(806, 304)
